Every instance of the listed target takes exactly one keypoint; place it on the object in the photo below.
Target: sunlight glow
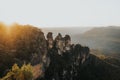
(8, 30)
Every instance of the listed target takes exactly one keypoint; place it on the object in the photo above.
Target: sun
(7, 28)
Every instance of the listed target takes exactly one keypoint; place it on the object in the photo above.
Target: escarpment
(23, 44)
(51, 58)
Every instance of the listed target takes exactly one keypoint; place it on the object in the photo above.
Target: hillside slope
(106, 39)
(21, 44)
(98, 69)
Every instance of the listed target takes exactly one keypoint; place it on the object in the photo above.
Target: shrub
(17, 73)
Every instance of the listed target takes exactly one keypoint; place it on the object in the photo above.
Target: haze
(61, 13)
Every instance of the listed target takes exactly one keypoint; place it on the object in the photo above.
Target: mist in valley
(103, 39)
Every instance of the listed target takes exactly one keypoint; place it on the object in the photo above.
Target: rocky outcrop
(51, 59)
(78, 64)
(50, 41)
(65, 59)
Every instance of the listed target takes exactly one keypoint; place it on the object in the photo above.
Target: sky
(61, 13)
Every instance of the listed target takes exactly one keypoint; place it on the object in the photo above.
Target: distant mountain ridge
(104, 31)
(106, 39)
(66, 30)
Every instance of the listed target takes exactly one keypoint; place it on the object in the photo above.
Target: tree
(17, 73)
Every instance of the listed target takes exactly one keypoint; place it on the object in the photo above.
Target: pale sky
(60, 13)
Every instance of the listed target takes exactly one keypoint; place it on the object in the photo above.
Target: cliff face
(21, 44)
(74, 62)
(65, 58)
(73, 66)
(51, 59)
(67, 65)
(27, 44)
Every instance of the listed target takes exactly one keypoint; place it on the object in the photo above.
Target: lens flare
(8, 30)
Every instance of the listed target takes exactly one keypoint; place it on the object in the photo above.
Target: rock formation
(51, 59)
(50, 42)
(67, 42)
(65, 59)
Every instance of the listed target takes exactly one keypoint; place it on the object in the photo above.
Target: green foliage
(17, 73)
(18, 44)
